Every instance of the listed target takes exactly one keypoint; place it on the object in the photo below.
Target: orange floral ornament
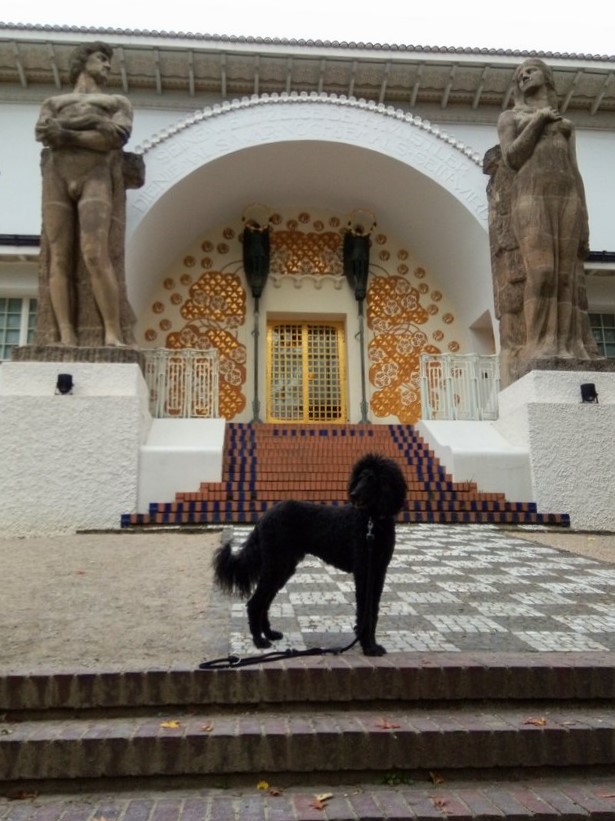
(395, 314)
(215, 307)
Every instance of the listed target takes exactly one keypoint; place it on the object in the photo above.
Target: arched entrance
(308, 156)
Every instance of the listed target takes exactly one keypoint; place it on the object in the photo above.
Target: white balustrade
(183, 383)
(459, 386)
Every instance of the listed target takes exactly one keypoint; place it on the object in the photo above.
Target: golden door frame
(306, 371)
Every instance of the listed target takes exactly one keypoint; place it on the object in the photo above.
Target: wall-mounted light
(64, 384)
(589, 392)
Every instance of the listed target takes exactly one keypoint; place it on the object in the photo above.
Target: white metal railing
(459, 386)
(182, 383)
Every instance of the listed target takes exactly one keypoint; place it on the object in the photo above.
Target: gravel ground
(132, 601)
(136, 600)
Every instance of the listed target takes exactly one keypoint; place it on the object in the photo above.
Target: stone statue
(506, 266)
(85, 174)
(548, 218)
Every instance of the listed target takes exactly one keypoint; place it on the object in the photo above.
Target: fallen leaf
(436, 777)
(262, 785)
(80, 572)
(170, 725)
(320, 801)
(384, 724)
(207, 728)
(275, 791)
(538, 722)
(20, 795)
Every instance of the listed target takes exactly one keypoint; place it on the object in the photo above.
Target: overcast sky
(582, 28)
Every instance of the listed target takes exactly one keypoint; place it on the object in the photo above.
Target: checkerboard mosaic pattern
(466, 588)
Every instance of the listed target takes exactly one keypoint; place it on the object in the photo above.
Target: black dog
(358, 538)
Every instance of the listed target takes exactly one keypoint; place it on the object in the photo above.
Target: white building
(313, 131)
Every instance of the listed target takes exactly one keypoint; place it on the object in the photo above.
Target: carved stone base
(65, 353)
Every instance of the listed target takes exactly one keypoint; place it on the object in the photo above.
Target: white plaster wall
(572, 457)
(20, 190)
(595, 150)
(18, 279)
(200, 174)
(601, 294)
(573, 462)
(69, 462)
(178, 455)
(20, 187)
(428, 190)
(19, 164)
(477, 452)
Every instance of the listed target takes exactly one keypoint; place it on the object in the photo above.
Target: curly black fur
(337, 535)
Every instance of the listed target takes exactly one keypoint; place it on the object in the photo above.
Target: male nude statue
(84, 131)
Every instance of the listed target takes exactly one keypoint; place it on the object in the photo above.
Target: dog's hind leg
(271, 582)
(258, 616)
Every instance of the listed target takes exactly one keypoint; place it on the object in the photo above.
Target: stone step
(526, 799)
(319, 741)
(400, 678)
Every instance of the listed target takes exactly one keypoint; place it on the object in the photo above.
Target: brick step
(439, 490)
(409, 678)
(547, 798)
(416, 490)
(231, 516)
(247, 500)
(217, 742)
(245, 461)
(237, 478)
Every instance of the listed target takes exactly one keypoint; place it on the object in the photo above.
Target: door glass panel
(305, 372)
(286, 375)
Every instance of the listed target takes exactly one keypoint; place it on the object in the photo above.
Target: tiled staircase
(449, 736)
(264, 464)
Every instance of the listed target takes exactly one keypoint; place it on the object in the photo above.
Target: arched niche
(339, 154)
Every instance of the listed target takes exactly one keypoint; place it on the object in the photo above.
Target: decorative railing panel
(459, 386)
(183, 383)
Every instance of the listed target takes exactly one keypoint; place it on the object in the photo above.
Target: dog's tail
(238, 572)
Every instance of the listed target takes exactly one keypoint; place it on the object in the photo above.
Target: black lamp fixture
(256, 246)
(357, 242)
(589, 392)
(65, 384)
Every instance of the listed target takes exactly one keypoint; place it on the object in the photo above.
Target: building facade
(314, 136)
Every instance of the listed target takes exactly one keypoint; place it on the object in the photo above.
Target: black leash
(233, 662)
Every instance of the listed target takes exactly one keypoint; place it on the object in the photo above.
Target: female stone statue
(548, 216)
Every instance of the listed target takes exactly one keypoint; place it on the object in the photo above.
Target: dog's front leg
(368, 590)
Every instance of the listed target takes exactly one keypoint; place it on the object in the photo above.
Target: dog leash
(233, 662)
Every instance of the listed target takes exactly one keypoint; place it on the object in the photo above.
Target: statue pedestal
(69, 462)
(570, 443)
(66, 353)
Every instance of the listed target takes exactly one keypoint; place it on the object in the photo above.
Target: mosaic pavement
(468, 588)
